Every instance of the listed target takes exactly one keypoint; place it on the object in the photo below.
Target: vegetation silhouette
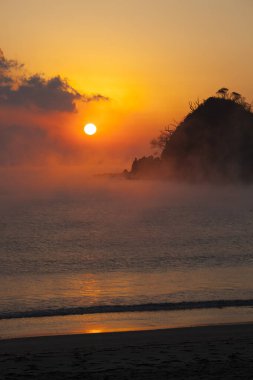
(214, 143)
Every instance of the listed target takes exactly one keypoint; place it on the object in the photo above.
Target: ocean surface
(125, 247)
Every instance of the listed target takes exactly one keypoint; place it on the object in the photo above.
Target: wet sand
(210, 352)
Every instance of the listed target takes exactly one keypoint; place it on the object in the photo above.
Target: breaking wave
(169, 306)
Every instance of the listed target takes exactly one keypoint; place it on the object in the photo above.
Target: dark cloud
(35, 91)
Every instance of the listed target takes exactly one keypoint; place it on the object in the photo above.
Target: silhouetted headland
(214, 143)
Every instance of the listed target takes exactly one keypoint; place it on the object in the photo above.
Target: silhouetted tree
(161, 141)
(235, 96)
(194, 105)
(242, 101)
(223, 92)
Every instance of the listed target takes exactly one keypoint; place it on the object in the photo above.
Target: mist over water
(74, 241)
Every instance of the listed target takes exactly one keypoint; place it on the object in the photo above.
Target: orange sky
(149, 57)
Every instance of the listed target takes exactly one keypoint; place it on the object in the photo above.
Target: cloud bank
(53, 94)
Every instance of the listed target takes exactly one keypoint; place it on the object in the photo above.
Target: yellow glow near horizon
(90, 129)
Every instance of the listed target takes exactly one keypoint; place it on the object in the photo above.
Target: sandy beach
(209, 352)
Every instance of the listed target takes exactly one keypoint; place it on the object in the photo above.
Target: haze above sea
(117, 243)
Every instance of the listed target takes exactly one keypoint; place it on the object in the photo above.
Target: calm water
(124, 243)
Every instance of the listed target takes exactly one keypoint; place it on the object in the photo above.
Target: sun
(90, 129)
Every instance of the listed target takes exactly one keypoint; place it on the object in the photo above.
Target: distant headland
(214, 143)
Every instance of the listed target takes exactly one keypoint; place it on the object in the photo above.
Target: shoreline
(213, 351)
(119, 322)
(140, 331)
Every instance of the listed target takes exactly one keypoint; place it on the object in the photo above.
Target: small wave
(186, 305)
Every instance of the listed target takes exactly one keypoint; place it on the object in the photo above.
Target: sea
(117, 255)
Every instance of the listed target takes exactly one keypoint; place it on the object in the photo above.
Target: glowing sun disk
(90, 129)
